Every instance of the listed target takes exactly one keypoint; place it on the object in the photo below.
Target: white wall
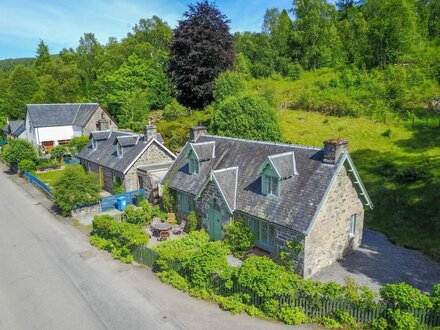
(55, 133)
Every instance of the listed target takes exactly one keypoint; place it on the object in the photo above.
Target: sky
(60, 23)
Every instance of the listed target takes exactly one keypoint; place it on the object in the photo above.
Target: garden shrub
(362, 296)
(118, 188)
(58, 152)
(207, 261)
(167, 198)
(175, 279)
(435, 298)
(231, 303)
(254, 311)
(292, 315)
(77, 144)
(119, 238)
(239, 237)
(379, 324)
(27, 165)
(180, 250)
(344, 318)
(403, 295)
(47, 162)
(270, 306)
(75, 188)
(174, 110)
(136, 216)
(192, 221)
(265, 278)
(330, 323)
(17, 150)
(401, 320)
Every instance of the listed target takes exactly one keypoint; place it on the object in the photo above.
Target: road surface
(51, 278)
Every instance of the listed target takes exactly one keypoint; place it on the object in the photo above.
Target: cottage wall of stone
(99, 115)
(211, 194)
(153, 155)
(329, 239)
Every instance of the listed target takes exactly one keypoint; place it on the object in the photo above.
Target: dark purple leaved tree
(201, 49)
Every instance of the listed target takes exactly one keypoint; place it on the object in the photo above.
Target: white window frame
(353, 224)
(119, 150)
(270, 188)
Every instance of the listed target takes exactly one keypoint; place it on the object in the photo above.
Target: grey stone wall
(97, 115)
(329, 239)
(153, 155)
(92, 209)
(210, 195)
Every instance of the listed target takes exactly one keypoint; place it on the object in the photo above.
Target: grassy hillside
(401, 172)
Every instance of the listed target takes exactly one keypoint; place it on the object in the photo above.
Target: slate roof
(14, 127)
(284, 164)
(300, 195)
(204, 150)
(105, 154)
(227, 182)
(61, 114)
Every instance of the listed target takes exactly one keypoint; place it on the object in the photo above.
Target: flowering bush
(239, 237)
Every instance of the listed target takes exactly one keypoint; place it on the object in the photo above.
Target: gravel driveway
(377, 262)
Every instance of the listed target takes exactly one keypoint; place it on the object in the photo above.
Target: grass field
(50, 177)
(401, 172)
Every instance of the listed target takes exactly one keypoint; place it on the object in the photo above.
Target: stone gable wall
(329, 239)
(153, 155)
(97, 115)
(205, 200)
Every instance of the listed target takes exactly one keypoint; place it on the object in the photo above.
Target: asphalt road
(51, 278)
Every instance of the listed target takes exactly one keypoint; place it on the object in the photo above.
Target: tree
(23, 85)
(228, 83)
(77, 144)
(202, 48)
(246, 116)
(279, 26)
(58, 152)
(315, 42)
(43, 56)
(17, 150)
(74, 188)
(392, 30)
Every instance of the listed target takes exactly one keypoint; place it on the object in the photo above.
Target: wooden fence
(313, 307)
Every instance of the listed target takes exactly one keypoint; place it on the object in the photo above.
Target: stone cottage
(311, 196)
(136, 161)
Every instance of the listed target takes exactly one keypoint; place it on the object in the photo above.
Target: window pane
(257, 229)
(264, 233)
(267, 184)
(271, 235)
(274, 186)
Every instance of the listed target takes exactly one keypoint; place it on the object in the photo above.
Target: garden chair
(179, 230)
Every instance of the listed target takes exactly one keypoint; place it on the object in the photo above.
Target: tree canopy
(202, 48)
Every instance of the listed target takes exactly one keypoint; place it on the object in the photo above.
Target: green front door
(215, 223)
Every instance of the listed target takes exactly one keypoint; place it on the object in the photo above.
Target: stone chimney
(150, 131)
(333, 150)
(196, 131)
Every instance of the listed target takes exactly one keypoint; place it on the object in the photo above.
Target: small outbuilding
(131, 160)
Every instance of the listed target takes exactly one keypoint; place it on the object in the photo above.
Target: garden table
(161, 226)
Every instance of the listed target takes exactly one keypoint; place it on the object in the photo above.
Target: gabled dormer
(275, 170)
(199, 153)
(97, 137)
(123, 142)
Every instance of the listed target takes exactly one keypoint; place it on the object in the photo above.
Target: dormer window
(193, 163)
(271, 185)
(119, 150)
(94, 144)
(275, 171)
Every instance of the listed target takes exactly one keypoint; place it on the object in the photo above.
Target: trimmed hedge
(119, 238)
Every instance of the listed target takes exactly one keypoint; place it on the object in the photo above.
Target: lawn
(50, 177)
(401, 172)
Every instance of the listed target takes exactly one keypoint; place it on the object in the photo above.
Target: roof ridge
(60, 103)
(264, 142)
(282, 154)
(76, 114)
(225, 169)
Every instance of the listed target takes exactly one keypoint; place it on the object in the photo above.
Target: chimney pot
(333, 149)
(196, 131)
(150, 131)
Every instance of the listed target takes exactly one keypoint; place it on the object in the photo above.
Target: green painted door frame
(215, 223)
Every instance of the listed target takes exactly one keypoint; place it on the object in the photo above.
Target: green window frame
(264, 234)
(185, 202)
(193, 164)
(271, 185)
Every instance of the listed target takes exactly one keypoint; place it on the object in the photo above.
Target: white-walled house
(48, 125)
